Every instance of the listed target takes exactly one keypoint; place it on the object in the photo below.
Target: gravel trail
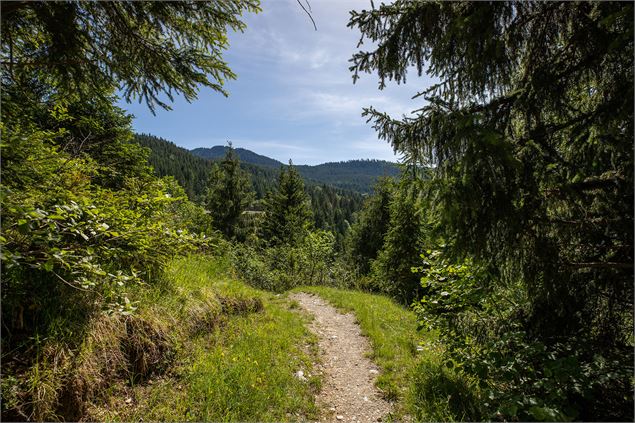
(348, 392)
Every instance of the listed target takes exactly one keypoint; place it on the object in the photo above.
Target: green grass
(203, 346)
(416, 380)
(240, 370)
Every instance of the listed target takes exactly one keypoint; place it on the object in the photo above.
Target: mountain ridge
(357, 175)
(191, 167)
(246, 155)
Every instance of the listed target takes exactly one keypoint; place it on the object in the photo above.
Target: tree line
(332, 208)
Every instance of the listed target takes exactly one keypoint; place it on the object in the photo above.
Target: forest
(332, 207)
(490, 273)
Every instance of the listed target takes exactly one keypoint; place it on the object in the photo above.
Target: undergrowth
(200, 346)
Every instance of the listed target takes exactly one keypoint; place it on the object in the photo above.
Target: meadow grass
(241, 369)
(413, 375)
(204, 346)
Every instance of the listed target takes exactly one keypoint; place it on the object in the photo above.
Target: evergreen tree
(402, 247)
(530, 135)
(230, 192)
(166, 158)
(148, 49)
(288, 212)
(367, 234)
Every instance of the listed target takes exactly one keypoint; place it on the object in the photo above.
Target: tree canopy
(146, 49)
(530, 131)
(529, 134)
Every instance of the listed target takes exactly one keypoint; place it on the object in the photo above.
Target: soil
(348, 392)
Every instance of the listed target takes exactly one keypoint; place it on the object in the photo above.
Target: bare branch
(307, 12)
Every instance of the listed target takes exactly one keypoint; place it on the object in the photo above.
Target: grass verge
(238, 350)
(201, 346)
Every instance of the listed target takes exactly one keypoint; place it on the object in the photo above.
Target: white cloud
(294, 96)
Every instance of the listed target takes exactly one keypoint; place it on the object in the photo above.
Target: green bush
(59, 226)
(520, 377)
(439, 393)
(279, 268)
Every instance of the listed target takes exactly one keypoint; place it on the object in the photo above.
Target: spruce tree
(529, 133)
(147, 49)
(402, 247)
(230, 192)
(288, 212)
(366, 236)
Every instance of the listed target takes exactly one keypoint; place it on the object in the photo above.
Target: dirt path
(348, 391)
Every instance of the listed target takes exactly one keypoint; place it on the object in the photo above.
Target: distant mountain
(245, 156)
(355, 175)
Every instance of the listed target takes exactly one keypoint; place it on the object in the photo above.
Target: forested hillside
(245, 156)
(168, 159)
(333, 208)
(353, 175)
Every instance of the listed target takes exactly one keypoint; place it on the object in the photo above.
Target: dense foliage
(84, 220)
(287, 250)
(530, 135)
(167, 159)
(287, 210)
(148, 49)
(367, 234)
(402, 246)
(353, 175)
(515, 245)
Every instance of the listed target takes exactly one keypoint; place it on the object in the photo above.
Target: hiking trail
(348, 392)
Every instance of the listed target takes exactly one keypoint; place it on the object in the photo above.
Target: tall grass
(237, 366)
(200, 346)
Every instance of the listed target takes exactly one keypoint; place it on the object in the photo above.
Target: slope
(234, 353)
(245, 156)
(333, 208)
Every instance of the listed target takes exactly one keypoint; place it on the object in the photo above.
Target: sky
(294, 96)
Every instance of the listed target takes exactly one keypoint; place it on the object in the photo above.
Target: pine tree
(288, 213)
(230, 192)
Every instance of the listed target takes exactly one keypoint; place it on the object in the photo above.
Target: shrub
(520, 376)
(282, 267)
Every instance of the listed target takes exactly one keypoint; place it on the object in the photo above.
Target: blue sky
(294, 97)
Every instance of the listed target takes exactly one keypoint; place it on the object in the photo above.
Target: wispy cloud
(294, 96)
